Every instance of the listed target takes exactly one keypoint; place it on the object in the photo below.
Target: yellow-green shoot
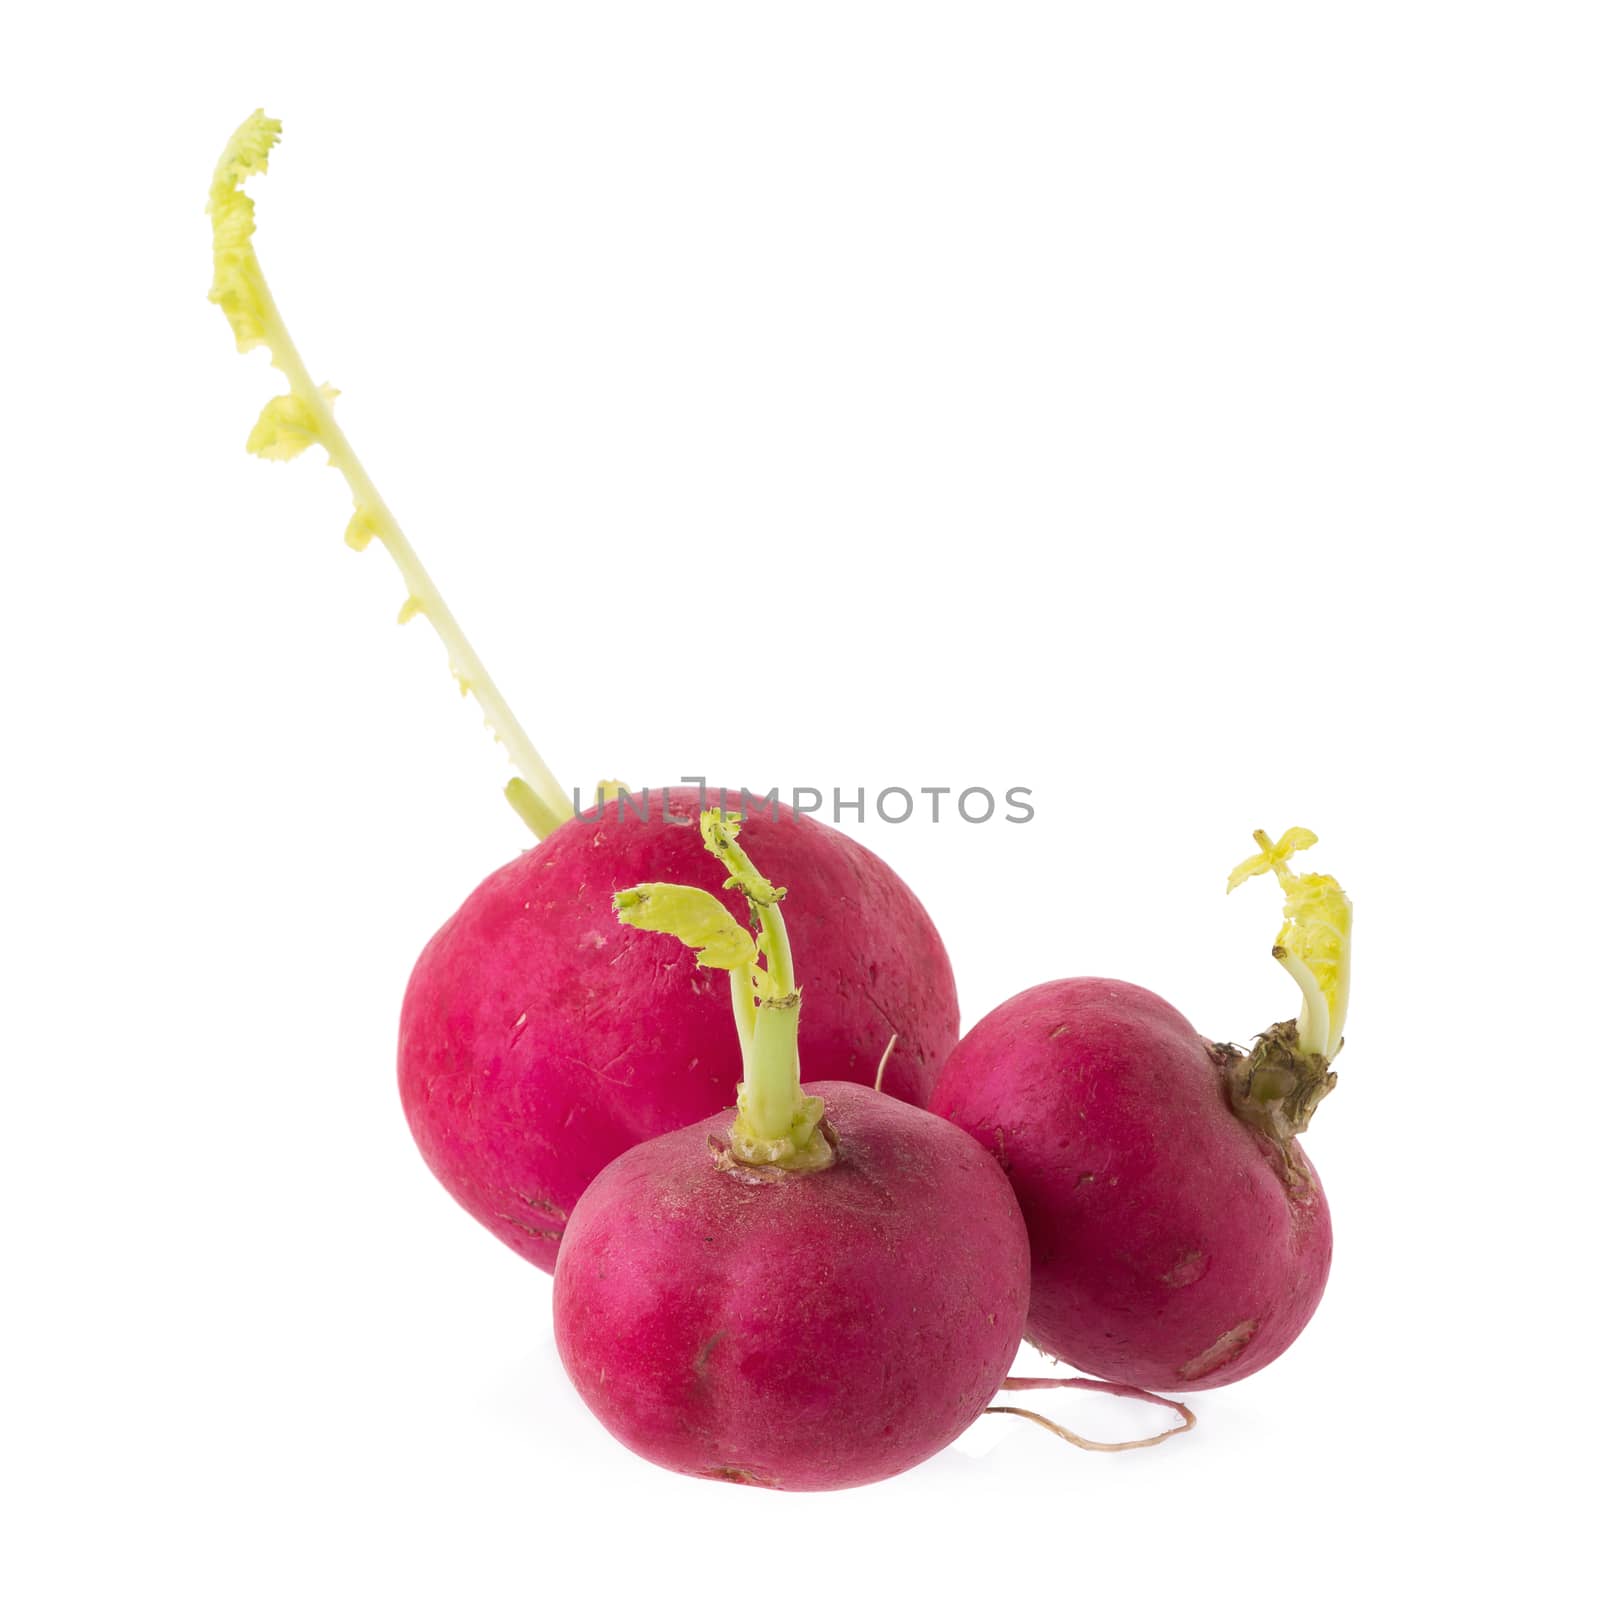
(1282, 1080)
(1314, 943)
(776, 1123)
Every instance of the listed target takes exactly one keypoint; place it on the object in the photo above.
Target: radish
(823, 1293)
(523, 1066)
(1180, 1238)
(536, 1044)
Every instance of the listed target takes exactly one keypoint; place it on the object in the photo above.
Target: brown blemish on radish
(528, 1228)
(740, 1475)
(1229, 1346)
(1189, 1268)
(1000, 1150)
(703, 1354)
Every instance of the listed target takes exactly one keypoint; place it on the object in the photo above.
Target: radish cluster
(815, 1283)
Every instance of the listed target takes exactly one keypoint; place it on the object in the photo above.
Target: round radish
(799, 1330)
(785, 1300)
(537, 1041)
(1180, 1239)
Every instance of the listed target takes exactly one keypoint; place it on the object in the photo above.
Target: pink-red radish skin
(538, 1040)
(1170, 1247)
(796, 1330)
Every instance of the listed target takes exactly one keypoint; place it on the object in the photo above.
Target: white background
(1188, 412)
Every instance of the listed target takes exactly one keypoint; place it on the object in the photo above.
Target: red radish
(537, 1042)
(523, 1065)
(798, 1301)
(1180, 1238)
(805, 1330)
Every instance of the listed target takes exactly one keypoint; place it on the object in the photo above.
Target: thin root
(1126, 1390)
(888, 1050)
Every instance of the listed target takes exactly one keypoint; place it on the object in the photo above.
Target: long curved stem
(292, 422)
(423, 596)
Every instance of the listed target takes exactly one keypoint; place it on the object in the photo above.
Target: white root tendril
(1127, 1392)
(888, 1050)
